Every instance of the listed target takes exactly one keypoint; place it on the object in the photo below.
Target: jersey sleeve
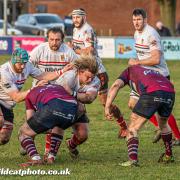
(33, 71)
(125, 76)
(7, 83)
(89, 38)
(34, 56)
(28, 103)
(72, 55)
(154, 42)
(69, 79)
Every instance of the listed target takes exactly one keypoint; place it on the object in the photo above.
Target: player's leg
(6, 119)
(116, 112)
(136, 122)
(80, 135)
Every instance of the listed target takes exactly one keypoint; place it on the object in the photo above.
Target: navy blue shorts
(159, 101)
(83, 119)
(55, 113)
(7, 114)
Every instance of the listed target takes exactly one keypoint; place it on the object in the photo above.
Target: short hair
(87, 62)
(56, 30)
(139, 11)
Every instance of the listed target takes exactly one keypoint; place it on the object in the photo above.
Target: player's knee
(130, 105)
(132, 132)
(4, 138)
(82, 135)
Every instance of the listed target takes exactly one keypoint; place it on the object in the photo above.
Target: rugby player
(85, 42)
(51, 56)
(82, 75)
(156, 94)
(150, 55)
(13, 75)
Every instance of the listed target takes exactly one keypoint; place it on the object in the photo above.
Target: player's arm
(87, 97)
(153, 60)
(17, 95)
(113, 91)
(85, 51)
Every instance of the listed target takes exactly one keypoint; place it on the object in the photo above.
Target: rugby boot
(31, 163)
(166, 159)
(130, 163)
(74, 153)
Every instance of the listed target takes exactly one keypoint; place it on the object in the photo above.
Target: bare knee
(82, 133)
(5, 136)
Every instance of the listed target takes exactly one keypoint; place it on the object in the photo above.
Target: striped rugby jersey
(48, 61)
(11, 81)
(145, 42)
(85, 37)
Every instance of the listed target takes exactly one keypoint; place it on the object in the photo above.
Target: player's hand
(68, 67)
(132, 62)
(42, 83)
(108, 113)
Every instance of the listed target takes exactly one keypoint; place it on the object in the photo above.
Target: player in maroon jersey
(156, 95)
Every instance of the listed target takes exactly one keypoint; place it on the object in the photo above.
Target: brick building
(108, 17)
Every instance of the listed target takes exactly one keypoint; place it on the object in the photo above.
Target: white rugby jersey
(71, 79)
(48, 61)
(145, 42)
(10, 81)
(85, 37)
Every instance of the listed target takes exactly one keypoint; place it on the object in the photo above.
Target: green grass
(101, 154)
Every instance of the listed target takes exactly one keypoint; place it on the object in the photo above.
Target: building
(107, 17)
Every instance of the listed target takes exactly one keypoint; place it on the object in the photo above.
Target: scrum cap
(78, 12)
(19, 55)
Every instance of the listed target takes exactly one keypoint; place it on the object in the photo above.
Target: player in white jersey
(150, 55)
(52, 55)
(13, 75)
(85, 42)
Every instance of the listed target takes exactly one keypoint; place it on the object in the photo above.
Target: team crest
(142, 41)
(62, 58)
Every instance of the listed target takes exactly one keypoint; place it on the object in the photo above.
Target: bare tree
(168, 13)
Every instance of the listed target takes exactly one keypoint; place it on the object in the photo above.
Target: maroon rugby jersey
(42, 94)
(143, 80)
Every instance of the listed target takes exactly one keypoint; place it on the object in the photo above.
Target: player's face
(54, 40)
(85, 76)
(139, 22)
(19, 67)
(78, 21)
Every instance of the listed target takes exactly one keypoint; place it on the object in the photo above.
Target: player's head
(55, 38)
(87, 68)
(19, 59)
(78, 17)
(139, 19)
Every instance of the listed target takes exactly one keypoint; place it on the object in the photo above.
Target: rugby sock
(48, 143)
(153, 120)
(74, 142)
(122, 122)
(174, 127)
(167, 138)
(28, 144)
(172, 123)
(132, 145)
(56, 140)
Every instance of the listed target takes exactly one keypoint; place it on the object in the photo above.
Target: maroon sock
(74, 142)
(55, 143)
(132, 145)
(29, 146)
(122, 122)
(167, 138)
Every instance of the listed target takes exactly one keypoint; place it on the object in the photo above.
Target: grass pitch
(101, 154)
